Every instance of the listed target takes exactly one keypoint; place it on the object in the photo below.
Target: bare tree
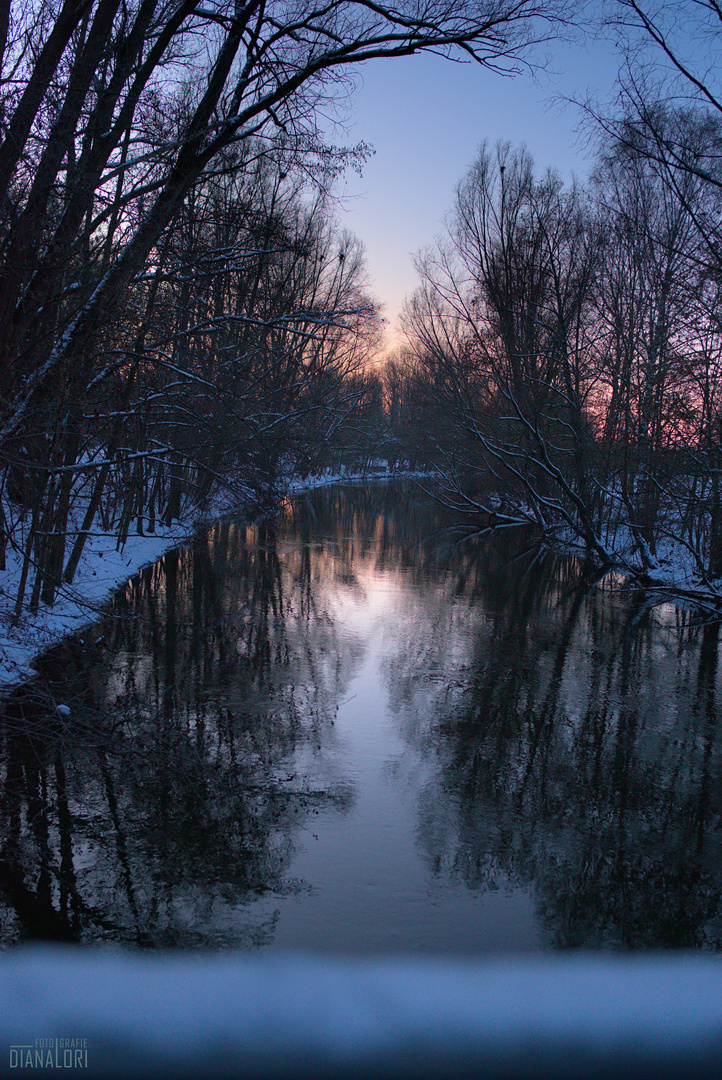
(670, 124)
(501, 325)
(258, 69)
(573, 338)
(644, 304)
(115, 119)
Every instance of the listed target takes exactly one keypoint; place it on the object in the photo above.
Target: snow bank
(182, 1015)
(103, 569)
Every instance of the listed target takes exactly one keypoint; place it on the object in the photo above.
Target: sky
(426, 118)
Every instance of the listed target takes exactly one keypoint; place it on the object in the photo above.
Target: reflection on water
(339, 731)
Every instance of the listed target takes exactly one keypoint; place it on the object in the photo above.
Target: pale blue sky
(425, 118)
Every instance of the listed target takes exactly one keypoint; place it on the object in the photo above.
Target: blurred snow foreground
(176, 1015)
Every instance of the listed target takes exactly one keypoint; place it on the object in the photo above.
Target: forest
(181, 313)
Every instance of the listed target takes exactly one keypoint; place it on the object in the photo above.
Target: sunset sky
(425, 118)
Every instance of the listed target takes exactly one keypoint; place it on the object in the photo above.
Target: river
(345, 731)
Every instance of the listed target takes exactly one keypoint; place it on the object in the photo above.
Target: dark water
(341, 732)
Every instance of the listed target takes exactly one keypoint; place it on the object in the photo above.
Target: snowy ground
(102, 570)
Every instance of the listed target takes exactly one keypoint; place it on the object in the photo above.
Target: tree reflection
(577, 753)
(174, 793)
(569, 736)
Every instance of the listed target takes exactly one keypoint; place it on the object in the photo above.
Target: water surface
(344, 731)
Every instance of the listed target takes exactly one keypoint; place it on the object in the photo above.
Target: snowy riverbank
(103, 569)
(100, 572)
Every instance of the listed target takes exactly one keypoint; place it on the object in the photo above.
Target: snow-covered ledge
(180, 1015)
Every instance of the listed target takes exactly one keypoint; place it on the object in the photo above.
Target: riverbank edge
(103, 569)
